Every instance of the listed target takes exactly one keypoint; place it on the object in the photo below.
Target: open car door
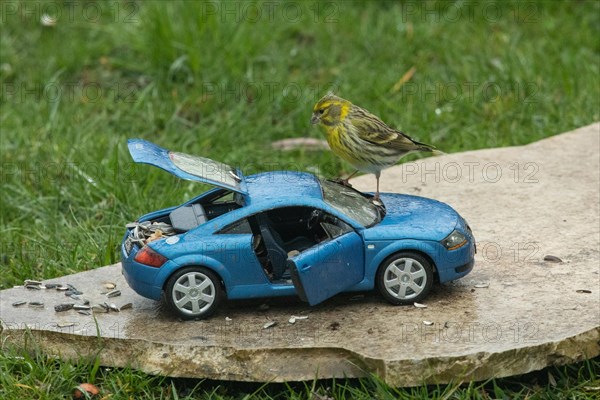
(186, 166)
(328, 268)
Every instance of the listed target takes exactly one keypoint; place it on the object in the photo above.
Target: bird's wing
(373, 130)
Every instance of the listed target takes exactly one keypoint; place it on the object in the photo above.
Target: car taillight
(147, 256)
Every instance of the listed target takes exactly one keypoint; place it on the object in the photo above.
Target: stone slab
(523, 204)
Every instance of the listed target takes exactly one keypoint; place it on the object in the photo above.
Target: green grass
(224, 80)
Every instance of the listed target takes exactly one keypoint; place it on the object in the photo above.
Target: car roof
(280, 188)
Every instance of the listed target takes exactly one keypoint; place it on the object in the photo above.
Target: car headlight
(454, 240)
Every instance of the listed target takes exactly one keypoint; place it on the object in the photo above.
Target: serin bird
(361, 138)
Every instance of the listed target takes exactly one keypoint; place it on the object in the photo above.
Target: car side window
(228, 197)
(334, 227)
(237, 228)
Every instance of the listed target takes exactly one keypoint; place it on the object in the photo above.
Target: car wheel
(405, 278)
(193, 292)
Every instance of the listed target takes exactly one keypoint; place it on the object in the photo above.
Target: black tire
(403, 286)
(204, 293)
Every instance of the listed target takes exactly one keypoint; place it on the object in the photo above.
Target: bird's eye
(321, 111)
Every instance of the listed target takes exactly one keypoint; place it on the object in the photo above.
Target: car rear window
(351, 203)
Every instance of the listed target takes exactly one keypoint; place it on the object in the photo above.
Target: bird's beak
(314, 119)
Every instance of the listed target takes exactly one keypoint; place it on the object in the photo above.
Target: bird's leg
(345, 181)
(377, 175)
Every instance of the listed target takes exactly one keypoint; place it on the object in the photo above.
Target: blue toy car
(286, 233)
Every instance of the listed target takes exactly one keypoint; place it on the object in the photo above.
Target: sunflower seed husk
(72, 291)
(113, 293)
(31, 282)
(86, 302)
(551, 258)
(84, 312)
(19, 303)
(62, 288)
(295, 318)
(269, 324)
(81, 307)
(113, 307)
(63, 307)
(109, 285)
(126, 306)
(428, 323)
(30, 286)
(99, 308)
(52, 285)
(37, 304)
(419, 305)
(482, 285)
(65, 324)
(583, 291)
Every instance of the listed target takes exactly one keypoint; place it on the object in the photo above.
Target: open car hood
(186, 166)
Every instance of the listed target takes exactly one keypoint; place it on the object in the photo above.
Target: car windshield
(351, 203)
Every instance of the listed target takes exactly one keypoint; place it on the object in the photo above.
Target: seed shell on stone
(551, 258)
(428, 323)
(419, 305)
(113, 293)
(84, 312)
(269, 324)
(126, 306)
(63, 307)
(99, 308)
(65, 324)
(19, 303)
(295, 318)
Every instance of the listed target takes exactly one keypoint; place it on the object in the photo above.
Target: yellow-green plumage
(361, 138)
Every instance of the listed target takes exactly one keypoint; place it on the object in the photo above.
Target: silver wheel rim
(405, 278)
(193, 293)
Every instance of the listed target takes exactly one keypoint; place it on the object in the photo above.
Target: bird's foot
(343, 182)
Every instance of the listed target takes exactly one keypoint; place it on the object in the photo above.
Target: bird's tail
(428, 148)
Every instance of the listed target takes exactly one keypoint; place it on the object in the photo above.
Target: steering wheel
(314, 218)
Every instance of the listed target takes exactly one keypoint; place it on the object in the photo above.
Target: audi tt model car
(286, 233)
